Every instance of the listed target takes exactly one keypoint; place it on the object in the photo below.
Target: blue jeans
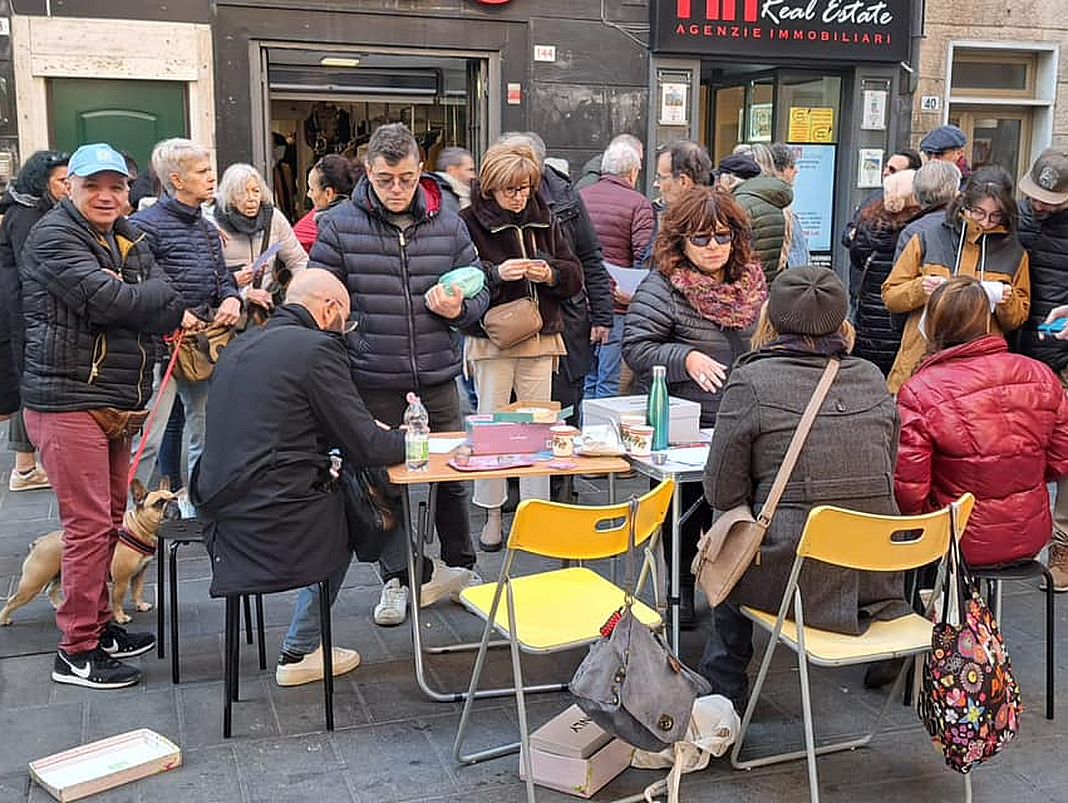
(728, 653)
(170, 448)
(304, 635)
(603, 379)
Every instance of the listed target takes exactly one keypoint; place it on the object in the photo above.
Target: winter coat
(764, 198)
(306, 230)
(398, 344)
(945, 247)
(282, 397)
(977, 418)
(623, 219)
(187, 246)
(20, 214)
(871, 257)
(89, 336)
(591, 172)
(662, 328)
(9, 378)
(591, 305)
(533, 233)
(1046, 243)
(241, 250)
(848, 461)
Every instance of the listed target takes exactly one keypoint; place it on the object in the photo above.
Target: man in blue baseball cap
(94, 302)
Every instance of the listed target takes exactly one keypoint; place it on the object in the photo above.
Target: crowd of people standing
(337, 319)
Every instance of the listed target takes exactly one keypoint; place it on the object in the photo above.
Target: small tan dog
(133, 553)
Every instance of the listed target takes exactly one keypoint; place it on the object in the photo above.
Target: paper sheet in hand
(265, 259)
(628, 279)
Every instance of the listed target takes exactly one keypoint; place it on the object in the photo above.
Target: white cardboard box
(684, 424)
(582, 777)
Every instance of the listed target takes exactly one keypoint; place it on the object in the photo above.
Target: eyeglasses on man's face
(385, 181)
(704, 240)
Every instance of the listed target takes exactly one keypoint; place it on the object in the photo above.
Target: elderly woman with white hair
(871, 257)
(251, 225)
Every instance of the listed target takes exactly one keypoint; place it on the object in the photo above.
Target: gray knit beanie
(807, 301)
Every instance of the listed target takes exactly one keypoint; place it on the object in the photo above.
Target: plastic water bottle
(657, 414)
(417, 436)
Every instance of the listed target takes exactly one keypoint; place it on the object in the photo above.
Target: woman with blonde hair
(871, 255)
(524, 255)
(251, 224)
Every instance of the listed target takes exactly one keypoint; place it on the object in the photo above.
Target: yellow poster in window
(811, 124)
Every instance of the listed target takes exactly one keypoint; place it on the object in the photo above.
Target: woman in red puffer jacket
(977, 418)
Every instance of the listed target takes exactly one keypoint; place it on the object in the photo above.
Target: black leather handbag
(372, 509)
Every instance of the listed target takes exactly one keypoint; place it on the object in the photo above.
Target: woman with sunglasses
(524, 255)
(694, 314)
(977, 237)
(39, 186)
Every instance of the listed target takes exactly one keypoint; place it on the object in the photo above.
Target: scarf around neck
(734, 305)
(831, 345)
(236, 223)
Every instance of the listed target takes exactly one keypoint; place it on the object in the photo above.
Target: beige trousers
(495, 379)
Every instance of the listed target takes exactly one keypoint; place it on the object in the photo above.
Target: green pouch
(470, 279)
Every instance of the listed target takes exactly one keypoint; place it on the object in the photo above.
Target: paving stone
(208, 774)
(33, 732)
(300, 709)
(273, 770)
(393, 762)
(15, 785)
(201, 708)
(155, 709)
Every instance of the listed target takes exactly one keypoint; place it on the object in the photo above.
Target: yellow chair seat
(557, 609)
(906, 635)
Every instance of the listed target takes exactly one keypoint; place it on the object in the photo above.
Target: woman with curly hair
(694, 315)
(39, 186)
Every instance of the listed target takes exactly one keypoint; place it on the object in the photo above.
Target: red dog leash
(175, 341)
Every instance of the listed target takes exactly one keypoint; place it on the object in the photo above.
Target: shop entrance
(761, 105)
(324, 102)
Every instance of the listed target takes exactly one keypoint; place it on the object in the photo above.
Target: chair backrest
(573, 532)
(869, 542)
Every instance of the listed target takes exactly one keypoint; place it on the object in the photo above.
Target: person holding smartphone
(523, 254)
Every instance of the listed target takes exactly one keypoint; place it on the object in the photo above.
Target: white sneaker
(476, 580)
(34, 480)
(392, 607)
(310, 668)
(446, 581)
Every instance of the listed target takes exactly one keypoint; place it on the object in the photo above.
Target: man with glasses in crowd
(390, 245)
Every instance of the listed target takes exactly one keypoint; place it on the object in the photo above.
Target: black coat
(399, 344)
(281, 397)
(662, 328)
(21, 213)
(871, 257)
(592, 305)
(9, 378)
(89, 337)
(1046, 240)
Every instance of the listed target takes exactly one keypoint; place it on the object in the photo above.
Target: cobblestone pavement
(392, 744)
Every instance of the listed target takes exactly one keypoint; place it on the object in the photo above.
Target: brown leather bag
(732, 543)
(199, 351)
(509, 324)
(119, 424)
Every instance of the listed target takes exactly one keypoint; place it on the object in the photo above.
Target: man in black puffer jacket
(389, 246)
(1043, 231)
(93, 298)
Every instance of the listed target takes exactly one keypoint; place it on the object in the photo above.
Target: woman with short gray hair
(251, 225)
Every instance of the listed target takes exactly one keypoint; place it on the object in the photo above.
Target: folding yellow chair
(561, 609)
(864, 542)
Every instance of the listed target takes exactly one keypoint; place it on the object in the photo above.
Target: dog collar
(135, 543)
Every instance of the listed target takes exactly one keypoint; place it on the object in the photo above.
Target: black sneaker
(94, 670)
(117, 643)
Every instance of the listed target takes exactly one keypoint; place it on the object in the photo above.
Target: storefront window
(977, 72)
(809, 108)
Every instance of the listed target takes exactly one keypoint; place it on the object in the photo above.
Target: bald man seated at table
(281, 398)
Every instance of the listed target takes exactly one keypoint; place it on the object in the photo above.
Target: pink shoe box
(571, 754)
(520, 428)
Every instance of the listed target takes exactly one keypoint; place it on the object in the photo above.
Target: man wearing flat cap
(1044, 233)
(946, 144)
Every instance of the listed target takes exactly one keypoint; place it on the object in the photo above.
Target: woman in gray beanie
(848, 460)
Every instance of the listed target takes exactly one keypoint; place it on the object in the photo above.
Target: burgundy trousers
(88, 474)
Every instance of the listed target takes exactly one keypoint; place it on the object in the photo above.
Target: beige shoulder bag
(725, 552)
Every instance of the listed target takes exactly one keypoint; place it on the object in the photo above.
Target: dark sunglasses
(702, 240)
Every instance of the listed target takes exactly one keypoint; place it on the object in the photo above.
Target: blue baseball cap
(100, 157)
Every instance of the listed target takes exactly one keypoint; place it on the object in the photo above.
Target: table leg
(417, 539)
(160, 556)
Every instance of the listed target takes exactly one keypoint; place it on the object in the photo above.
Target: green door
(132, 116)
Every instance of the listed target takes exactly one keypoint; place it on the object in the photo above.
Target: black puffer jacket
(187, 246)
(21, 213)
(592, 305)
(871, 257)
(764, 198)
(89, 335)
(1046, 240)
(398, 344)
(662, 327)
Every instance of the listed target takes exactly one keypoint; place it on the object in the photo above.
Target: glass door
(996, 135)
